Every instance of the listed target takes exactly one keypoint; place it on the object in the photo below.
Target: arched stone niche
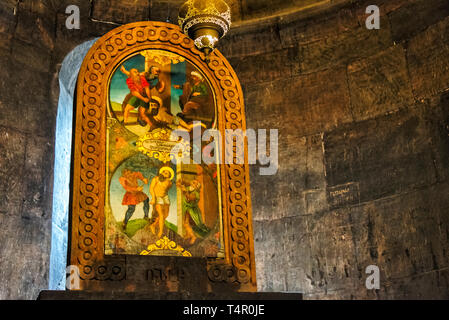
(68, 76)
(100, 271)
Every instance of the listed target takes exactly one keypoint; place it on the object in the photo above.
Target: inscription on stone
(344, 194)
(167, 273)
(163, 274)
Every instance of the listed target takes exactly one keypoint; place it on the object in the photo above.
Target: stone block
(415, 17)
(428, 56)
(253, 9)
(236, 10)
(333, 263)
(250, 40)
(7, 19)
(35, 24)
(424, 286)
(165, 10)
(31, 56)
(60, 6)
(7, 111)
(12, 183)
(267, 203)
(386, 8)
(300, 181)
(437, 119)
(267, 67)
(35, 231)
(298, 28)
(25, 272)
(120, 11)
(272, 240)
(339, 49)
(39, 160)
(28, 106)
(308, 108)
(403, 235)
(379, 84)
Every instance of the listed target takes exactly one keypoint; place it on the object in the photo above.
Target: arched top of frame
(129, 39)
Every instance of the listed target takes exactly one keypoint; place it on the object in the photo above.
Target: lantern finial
(205, 21)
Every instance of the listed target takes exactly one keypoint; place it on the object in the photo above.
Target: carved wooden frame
(87, 216)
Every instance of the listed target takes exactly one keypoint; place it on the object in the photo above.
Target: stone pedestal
(86, 295)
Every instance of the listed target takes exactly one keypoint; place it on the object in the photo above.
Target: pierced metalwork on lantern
(205, 21)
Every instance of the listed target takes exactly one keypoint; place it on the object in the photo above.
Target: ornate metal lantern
(205, 21)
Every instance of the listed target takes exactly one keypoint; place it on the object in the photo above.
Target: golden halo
(172, 173)
(197, 74)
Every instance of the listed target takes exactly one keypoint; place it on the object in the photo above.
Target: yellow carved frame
(87, 216)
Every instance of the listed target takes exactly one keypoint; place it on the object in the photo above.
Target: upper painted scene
(157, 89)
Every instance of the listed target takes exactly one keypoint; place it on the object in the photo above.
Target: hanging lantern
(205, 21)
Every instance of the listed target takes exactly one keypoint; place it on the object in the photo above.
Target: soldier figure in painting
(151, 75)
(194, 94)
(160, 200)
(140, 91)
(134, 195)
(192, 212)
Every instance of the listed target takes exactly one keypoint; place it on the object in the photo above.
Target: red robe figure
(134, 195)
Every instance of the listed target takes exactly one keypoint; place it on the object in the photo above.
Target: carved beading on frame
(87, 243)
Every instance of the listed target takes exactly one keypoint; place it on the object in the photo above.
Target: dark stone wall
(363, 152)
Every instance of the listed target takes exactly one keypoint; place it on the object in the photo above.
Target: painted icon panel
(157, 204)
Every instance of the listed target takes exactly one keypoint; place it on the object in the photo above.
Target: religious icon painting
(157, 204)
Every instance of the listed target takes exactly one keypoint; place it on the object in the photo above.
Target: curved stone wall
(363, 151)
